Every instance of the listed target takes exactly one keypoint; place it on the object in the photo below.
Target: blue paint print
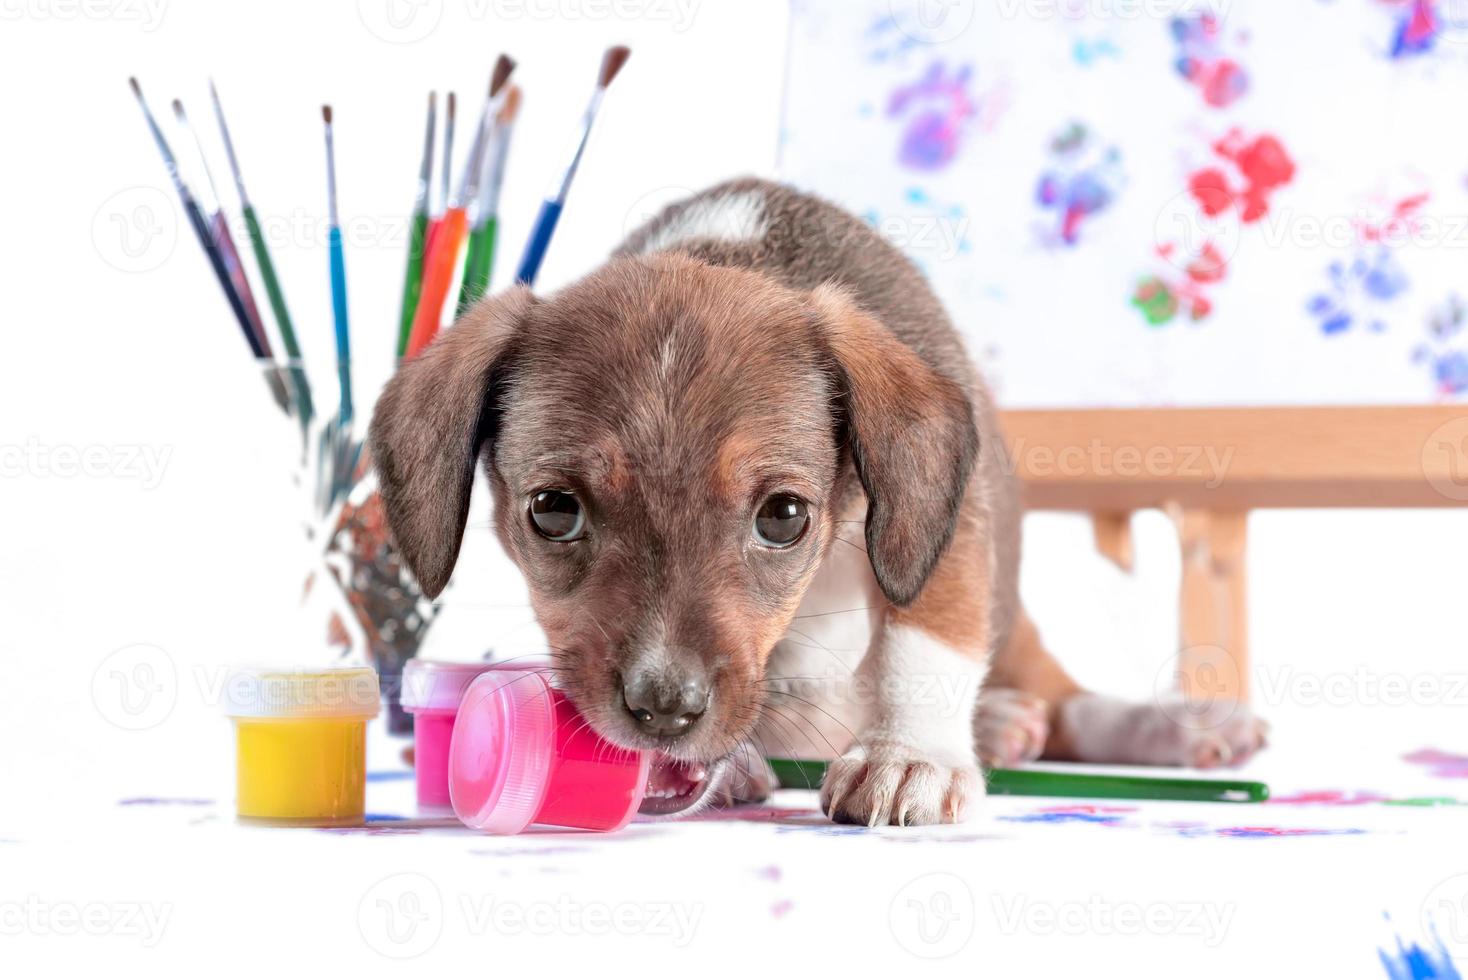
(1357, 290)
(390, 776)
(1068, 816)
(1086, 52)
(887, 40)
(164, 801)
(1081, 180)
(1415, 962)
(1447, 363)
(1261, 832)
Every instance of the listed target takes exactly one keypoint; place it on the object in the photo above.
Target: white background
(201, 560)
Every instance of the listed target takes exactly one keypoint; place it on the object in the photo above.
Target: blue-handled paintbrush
(551, 207)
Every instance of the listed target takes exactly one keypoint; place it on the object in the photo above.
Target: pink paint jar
(432, 691)
(521, 754)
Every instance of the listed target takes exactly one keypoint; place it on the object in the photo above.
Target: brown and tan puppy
(756, 490)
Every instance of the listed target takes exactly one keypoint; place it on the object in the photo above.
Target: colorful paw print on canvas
(1082, 180)
(1161, 298)
(1256, 168)
(1359, 291)
(1444, 354)
(1415, 27)
(936, 112)
(1201, 59)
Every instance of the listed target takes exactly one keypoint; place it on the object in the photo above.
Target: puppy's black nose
(664, 706)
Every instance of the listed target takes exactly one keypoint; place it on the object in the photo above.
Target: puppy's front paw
(747, 779)
(883, 783)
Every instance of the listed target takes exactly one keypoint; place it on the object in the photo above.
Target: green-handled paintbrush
(267, 272)
(807, 773)
(417, 233)
(479, 261)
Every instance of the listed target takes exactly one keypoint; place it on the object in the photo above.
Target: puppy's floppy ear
(431, 422)
(912, 439)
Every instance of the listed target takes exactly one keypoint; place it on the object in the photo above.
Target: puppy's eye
(780, 521)
(557, 515)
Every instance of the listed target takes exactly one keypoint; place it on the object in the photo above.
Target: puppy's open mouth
(678, 785)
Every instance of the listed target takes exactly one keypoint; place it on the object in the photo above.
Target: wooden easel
(1207, 468)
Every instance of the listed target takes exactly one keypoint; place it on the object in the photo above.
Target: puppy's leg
(1171, 731)
(1013, 723)
(913, 761)
(747, 779)
(1087, 727)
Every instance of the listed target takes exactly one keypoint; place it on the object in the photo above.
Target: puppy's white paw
(884, 783)
(747, 779)
(1010, 727)
(1173, 731)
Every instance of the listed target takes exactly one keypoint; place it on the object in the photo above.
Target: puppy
(758, 495)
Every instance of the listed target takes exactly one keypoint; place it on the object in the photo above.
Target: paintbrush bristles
(503, 66)
(132, 82)
(611, 63)
(326, 114)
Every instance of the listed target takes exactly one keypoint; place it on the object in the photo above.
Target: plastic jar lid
(336, 692)
(503, 750)
(436, 685)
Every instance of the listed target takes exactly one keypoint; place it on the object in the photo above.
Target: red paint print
(1263, 165)
(1399, 225)
(1329, 797)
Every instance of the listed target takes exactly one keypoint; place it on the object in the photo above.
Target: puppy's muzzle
(666, 703)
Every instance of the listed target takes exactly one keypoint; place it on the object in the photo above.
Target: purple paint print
(1444, 765)
(938, 110)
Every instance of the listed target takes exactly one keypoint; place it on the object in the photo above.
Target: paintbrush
(479, 262)
(267, 271)
(443, 250)
(338, 278)
(446, 166)
(418, 234)
(212, 207)
(441, 197)
(206, 241)
(550, 208)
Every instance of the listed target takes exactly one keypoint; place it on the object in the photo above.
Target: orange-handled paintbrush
(448, 238)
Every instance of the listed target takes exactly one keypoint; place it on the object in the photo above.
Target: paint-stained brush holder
(359, 591)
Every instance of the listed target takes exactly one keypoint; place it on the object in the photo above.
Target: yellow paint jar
(301, 744)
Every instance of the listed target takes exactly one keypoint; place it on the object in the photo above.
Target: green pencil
(807, 773)
(418, 234)
(267, 272)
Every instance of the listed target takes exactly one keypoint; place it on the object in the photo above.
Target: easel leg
(1213, 618)
(1113, 533)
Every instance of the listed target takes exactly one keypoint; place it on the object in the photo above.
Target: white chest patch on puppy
(818, 702)
(736, 217)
